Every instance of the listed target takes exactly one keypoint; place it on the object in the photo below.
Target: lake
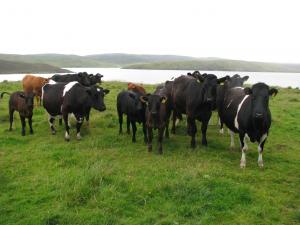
(159, 76)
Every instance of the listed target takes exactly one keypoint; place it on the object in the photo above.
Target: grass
(105, 179)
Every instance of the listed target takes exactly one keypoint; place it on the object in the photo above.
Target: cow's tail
(1, 96)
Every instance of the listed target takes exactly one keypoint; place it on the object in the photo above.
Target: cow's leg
(37, 100)
(133, 130)
(203, 130)
(260, 150)
(145, 133)
(22, 118)
(173, 129)
(160, 139)
(150, 137)
(231, 140)
(244, 148)
(167, 127)
(221, 126)
(192, 130)
(60, 120)
(66, 121)
(120, 115)
(87, 117)
(11, 118)
(128, 125)
(51, 123)
(30, 124)
(79, 119)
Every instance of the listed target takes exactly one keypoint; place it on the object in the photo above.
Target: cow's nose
(258, 115)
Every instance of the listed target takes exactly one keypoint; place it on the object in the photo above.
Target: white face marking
(68, 87)
(236, 124)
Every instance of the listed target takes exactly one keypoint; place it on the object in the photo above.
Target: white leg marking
(236, 124)
(259, 149)
(67, 136)
(221, 131)
(177, 122)
(245, 144)
(78, 136)
(243, 160)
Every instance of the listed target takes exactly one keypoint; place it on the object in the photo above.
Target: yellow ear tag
(164, 101)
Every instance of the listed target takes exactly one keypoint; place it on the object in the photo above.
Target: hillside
(219, 65)
(10, 67)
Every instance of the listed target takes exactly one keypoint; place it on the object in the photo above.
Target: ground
(106, 179)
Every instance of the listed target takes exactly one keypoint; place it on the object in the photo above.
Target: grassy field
(105, 179)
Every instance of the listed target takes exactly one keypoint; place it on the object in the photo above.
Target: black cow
(166, 90)
(246, 112)
(95, 79)
(82, 78)
(23, 103)
(196, 99)
(156, 116)
(62, 99)
(129, 103)
(236, 81)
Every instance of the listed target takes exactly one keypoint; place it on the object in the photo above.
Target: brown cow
(136, 88)
(34, 84)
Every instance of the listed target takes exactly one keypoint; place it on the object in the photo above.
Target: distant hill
(122, 59)
(219, 65)
(10, 67)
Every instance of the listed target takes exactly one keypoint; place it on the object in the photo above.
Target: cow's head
(83, 78)
(259, 94)
(95, 79)
(97, 97)
(154, 103)
(29, 100)
(209, 83)
(236, 81)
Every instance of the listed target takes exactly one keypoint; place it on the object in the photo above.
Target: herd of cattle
(244, 111)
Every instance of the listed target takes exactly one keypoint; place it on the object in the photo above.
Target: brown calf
(34, 84)
(136, 88)
(23, 103)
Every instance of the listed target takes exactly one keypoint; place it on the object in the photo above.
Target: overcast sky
(261, 30)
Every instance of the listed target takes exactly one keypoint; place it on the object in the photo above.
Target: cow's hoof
(31, 132)
(261, 164)
(133, 140)
(78, 136)
(67, 137)
(53, 132)
(221, 131)
(149, 148)
(243, 164)
(231, 148)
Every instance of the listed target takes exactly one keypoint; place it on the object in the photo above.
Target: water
(159, 76)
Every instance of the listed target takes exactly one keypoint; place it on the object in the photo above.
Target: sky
(256, 30)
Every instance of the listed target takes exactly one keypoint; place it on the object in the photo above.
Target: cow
(65, 98)
(196, 99)
(246, 112)
(23, 103)
(129, 103)
(156, 116)
(95, 79)
(34, 84)
(236, 81)
(82, 78)
(136, 88)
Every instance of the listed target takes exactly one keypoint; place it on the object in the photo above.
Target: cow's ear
(189, 74)
(21, 95)
(163, 99)
(106, 91)
(200, 78)
(245, 78)
(144, 98)
(248, 91)
(223, 79)
(273, 91)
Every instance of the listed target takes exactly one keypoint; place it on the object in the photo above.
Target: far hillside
(10, 67)
(215, 64)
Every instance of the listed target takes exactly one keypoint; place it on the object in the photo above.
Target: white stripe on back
(68, 87)
(236, 124)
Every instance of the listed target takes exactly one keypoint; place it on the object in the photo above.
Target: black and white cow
(65, 98)
(236, 81)
(246, 112)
